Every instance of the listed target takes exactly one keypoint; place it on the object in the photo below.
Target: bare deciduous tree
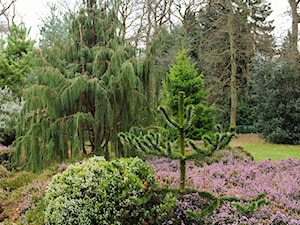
(295, 30)
(5, 7)
(143, 21)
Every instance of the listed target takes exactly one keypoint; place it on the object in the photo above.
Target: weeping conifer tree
(88, 91)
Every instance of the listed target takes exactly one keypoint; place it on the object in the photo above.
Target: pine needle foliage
(15, 58)
(88, 91)
(183, 76)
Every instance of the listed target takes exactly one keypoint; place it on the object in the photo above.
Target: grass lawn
(262, 150)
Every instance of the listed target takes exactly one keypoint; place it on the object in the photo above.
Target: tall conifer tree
(184, 77)
(15, 58)
(88, 91)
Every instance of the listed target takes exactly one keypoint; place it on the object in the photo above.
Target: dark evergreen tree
(276, 91)
(89, 90)
(184, 77)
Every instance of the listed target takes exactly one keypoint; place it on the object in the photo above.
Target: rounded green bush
(105, 192)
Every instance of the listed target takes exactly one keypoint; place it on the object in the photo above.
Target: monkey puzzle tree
(88, 91)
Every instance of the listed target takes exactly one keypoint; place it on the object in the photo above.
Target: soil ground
(243, 139)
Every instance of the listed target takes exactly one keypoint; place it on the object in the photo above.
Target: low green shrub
(17, 180)
(5, 154)
(105, 192)
(3, 172)
(5, 157)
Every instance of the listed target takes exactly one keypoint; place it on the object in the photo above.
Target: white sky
(32, 11)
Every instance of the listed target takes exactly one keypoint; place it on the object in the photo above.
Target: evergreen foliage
(55, 26)
(88, 91)
(184, 77)
(218, 140)
(153, 145)
(15, 58)
(276, 91)
(106, 192)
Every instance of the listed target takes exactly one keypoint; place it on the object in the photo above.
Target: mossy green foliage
(183, 76)
(12, 182)
(88, 91)
(106, 192)
(5, 154)
(3, 172)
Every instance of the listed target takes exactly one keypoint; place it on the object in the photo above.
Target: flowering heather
(3, 147)
(280, 181)
(31, 196)
(65, 166)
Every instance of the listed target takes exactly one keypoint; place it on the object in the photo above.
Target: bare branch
(5, 7)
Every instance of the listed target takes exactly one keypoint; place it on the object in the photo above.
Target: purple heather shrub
(31, 197)
(64, 166)
(34, 192)
(280, 181)
(191, 202)
(3, 147)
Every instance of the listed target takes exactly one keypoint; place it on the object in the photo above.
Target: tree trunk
(181, 142)
(233, 86)
(294, 38)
